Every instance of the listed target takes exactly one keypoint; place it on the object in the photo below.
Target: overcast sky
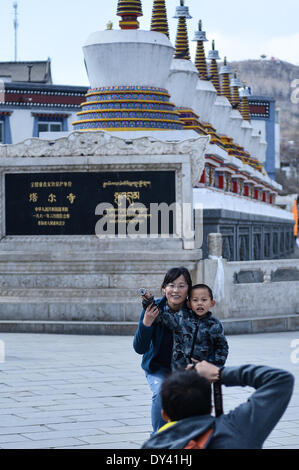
(58, 29)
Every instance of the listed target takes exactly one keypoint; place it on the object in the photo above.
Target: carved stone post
(215, 244)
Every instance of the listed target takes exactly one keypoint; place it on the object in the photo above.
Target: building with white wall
(170, 98)
(30, 103)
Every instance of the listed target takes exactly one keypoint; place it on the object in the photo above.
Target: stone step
(128, 328)
(69, 327)
(56, 293)
(84, 244)
(69, 309)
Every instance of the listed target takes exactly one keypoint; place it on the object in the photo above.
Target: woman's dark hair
(174, 273)
(184, 394)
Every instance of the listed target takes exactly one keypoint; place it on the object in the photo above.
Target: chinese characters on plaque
(65, 203)
(51, 214)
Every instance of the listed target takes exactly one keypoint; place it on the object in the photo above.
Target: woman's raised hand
(150, 315)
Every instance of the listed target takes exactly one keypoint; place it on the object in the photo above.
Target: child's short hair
(202, 286)
(184, 394)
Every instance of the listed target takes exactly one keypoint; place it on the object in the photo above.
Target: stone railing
(251, 289)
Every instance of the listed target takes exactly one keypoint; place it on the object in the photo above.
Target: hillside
(274, 79)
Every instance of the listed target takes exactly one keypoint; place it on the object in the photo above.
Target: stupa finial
(129, 10)
(235, 84)
(214, 56)
(225, 71)
(244, 108)
(200, 58)
(182, 42)
(159, 18)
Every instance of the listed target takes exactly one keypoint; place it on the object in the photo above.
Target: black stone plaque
(65, 203)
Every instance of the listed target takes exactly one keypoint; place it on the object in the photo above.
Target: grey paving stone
(99, 425)
(35, 421)
(43, 444)
(285, 441)
(56, 415)
(116, 438)
(124, 429)
(13, 438)
(22, 429)
(51, 435)
(60, 391)
(11, 420)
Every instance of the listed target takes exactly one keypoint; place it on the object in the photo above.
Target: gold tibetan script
(130, 196)
(131, 184)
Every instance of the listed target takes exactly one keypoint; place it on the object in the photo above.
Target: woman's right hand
(150, 315)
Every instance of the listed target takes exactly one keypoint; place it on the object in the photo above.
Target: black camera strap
(218, 399)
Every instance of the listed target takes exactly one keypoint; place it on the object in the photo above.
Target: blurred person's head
(185, 394)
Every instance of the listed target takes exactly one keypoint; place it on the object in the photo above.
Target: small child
(196, 334)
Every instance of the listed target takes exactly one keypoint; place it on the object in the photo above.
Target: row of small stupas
(139, 82)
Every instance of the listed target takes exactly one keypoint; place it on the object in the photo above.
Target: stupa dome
(128, 72)
(128, 58)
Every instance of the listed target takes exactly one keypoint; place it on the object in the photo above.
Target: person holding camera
(155, 341)
(186, 406)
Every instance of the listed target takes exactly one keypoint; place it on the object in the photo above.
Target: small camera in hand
(147, 297)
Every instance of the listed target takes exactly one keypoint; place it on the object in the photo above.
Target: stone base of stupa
(62, 287)
(54, 278)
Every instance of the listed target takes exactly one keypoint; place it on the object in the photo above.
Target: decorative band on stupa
(159, 18)
(235, 84)
(244, 107)
(214, 56)
(208, 129)
(238, 151)
(190, 119)
(225, 71)
(182, 43)
(128, 108)
(129, 10)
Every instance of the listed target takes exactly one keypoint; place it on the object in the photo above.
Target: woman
(154, 340)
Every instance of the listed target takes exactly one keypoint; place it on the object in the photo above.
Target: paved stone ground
(88, 392)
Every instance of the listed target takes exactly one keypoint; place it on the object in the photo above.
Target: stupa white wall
(128, 58)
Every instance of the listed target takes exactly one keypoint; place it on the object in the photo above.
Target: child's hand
(150, 315)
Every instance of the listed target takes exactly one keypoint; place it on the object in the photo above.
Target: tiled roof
(33, 72)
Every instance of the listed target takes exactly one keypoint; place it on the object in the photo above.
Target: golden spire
(182, 43)
(235, 85)
(225, 85)
(244, 108)
(214, 56)
(200, 58)
(129, 10)
(159, 18)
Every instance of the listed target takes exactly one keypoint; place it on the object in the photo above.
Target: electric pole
(16, 24)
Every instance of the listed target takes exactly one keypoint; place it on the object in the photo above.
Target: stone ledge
(231, 326)
(261, 325)
(69, 327)
(69, 309)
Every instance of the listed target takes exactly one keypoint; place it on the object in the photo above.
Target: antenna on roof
(16, 24)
